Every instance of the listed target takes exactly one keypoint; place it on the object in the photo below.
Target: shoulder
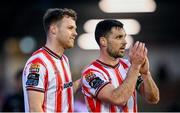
(91, 71)
(35, 62)
(88, 68)
(125, 62)
(36, 57)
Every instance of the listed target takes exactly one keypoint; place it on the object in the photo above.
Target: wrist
(136, 66)
(145, 75)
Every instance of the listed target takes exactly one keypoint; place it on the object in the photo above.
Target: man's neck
(55, 47)
(105, 58)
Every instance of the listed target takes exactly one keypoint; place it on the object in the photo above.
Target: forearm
(124, 91)
(35, 106)
(36, 100)
(76, 85)
(150, 90)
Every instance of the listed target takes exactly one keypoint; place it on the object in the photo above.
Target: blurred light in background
(87, 41)
(131, 26)
(11, 46)
(129, 40)
(127, 6)
(27, 44)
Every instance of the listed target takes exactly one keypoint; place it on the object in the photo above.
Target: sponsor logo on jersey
(32, 79)
(96, 83)
(90, 76)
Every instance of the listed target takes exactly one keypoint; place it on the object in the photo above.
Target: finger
(130, 50)
(131, 46)
(139, 48)
(142, 46)
(136, 45)
(145, 51)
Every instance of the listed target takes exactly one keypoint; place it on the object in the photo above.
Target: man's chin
(70, 46)
(121, 55)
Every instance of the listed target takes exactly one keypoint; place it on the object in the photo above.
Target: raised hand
(137, 54)
(145, 67)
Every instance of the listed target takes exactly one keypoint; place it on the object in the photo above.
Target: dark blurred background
(22, 33)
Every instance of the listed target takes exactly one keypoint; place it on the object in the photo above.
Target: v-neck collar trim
(52, 53)
(107, 64)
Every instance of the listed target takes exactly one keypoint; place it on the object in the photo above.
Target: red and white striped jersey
(50, 74)
(96, 76)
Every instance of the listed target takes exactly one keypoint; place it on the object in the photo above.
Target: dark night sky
(21, 18)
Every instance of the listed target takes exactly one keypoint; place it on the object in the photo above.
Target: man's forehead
(117, 30)
(69, 21)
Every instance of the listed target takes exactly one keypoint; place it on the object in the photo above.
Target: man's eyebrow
(72, 26)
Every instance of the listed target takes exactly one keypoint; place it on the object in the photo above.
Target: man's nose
(75, 34)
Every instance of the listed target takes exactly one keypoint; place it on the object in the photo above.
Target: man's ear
(53, 29)
(103, 41)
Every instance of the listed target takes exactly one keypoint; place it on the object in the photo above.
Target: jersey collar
(107, 65)
(51, 52)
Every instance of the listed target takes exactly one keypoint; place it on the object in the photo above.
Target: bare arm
(76, 85)
(148, 88)
(36, 99)
(121, 94)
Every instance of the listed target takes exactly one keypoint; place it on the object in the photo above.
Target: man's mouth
(123, 48)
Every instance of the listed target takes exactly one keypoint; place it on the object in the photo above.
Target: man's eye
(70, 27)
(119, 37)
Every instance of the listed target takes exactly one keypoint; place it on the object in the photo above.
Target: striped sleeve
(93, 82)
(34, 76)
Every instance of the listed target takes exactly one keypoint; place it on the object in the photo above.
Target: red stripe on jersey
(125, 108)
(90, 103)
(98, 106)
(46, 88)
(85, 89)
(65, 58)
(112, 108)
(37, 60)
(69, 91)
(101, 68)
(123, 63)
(58, 82)
(119, 77)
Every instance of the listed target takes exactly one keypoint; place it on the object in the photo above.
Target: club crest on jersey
(90, 76)
(34, 68)
(96, 83)
(32, 79)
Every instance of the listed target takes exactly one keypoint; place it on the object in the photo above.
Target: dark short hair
(56, 14)
(104, 27)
